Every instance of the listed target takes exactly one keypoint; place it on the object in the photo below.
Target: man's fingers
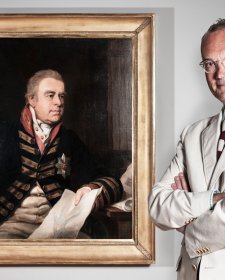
(78, 196)
(174, 186)
(82, 191)
(184, 183)
(178, 182)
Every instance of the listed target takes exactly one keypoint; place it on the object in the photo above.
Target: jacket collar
(212, 168)
(27, 122)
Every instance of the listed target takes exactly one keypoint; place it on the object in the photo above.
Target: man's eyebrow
(49, 91)
(53, 92)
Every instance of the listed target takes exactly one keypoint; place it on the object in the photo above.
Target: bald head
(218, 26)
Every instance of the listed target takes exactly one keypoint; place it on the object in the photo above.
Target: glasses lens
(209, 66)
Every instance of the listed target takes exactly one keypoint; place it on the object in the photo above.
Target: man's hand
(80, 193)
(217, 197)
(180, 183)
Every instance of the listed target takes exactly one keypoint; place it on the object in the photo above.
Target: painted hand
(80, 193)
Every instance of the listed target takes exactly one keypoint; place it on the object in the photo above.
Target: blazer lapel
(209, 139)
(220, 165)
(219, 169)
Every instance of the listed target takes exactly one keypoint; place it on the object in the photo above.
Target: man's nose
(220, 72)
(58, 100)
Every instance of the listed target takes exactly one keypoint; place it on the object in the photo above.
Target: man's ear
(32, 100)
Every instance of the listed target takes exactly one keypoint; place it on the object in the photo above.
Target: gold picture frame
(140, 248)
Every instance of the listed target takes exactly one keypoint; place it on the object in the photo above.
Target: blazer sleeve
(171, 209)
(206, 234)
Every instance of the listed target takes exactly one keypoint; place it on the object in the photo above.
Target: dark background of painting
(98, 78)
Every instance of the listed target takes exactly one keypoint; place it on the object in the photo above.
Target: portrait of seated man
(40, 158)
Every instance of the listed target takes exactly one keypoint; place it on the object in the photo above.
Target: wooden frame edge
(141, 249)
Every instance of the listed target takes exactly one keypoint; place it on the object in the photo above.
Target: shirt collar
(40, 128)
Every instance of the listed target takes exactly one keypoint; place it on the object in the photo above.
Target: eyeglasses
(211, 66)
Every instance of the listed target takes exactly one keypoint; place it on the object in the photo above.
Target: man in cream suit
(191, 194)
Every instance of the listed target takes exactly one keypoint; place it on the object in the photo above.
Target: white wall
(181, 98)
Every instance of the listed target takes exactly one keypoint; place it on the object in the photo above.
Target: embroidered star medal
(63, 166)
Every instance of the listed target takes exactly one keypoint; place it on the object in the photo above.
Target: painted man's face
(48, 103)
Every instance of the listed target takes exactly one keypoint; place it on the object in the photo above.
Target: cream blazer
(204, 239)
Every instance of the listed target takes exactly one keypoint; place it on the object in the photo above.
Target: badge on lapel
(63, 166)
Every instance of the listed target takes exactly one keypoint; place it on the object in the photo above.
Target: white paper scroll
(65, 219)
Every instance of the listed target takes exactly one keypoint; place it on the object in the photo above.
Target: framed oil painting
(107, 64)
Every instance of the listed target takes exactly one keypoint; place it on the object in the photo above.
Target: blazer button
(10, 206)
(204, 250)
(4, 212)
(26, 187)
(19, 195)
(36, 151)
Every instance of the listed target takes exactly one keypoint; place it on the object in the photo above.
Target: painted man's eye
(50, 95)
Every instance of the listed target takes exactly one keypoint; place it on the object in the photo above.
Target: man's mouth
(220, 82)
(57, 112)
